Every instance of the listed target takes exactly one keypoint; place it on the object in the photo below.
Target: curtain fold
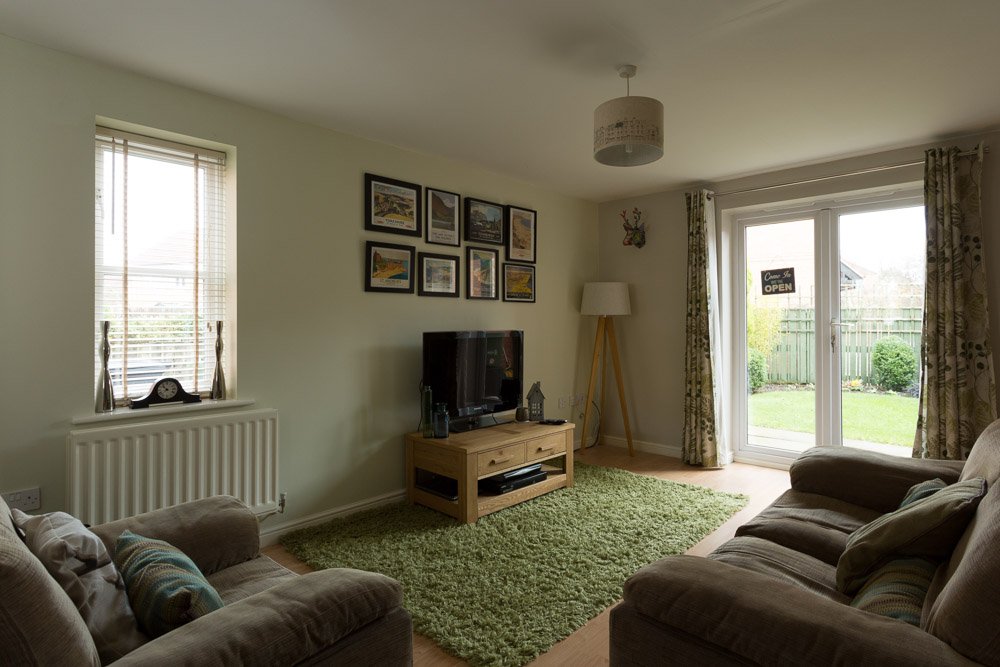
(703, 442)
(957, 387)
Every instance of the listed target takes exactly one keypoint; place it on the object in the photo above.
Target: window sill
(127, 414)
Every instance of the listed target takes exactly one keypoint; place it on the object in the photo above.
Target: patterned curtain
(957, 389)
(703, 443)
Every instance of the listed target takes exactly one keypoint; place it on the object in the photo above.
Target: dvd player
(512, 480)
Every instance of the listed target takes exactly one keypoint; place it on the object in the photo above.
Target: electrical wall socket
(25, 499)
(562, 401)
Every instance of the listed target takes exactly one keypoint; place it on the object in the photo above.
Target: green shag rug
(507, 588)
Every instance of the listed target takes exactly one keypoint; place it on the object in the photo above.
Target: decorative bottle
(441, 421)
(426, 417)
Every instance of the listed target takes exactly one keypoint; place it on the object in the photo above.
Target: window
(160, 259)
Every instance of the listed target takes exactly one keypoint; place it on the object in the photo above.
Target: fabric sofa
(271, 615)
(769, 596)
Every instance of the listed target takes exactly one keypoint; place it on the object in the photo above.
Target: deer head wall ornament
(635, 232)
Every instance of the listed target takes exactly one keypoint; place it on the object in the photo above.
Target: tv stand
(470, 456)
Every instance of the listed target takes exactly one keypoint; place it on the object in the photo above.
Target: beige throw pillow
(927, 528)
(78, 560)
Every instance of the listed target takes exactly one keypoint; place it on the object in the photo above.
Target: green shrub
(756, 369)
(894, 366)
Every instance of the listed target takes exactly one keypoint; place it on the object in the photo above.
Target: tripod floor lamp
(606, 300)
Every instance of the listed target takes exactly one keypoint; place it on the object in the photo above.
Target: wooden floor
(589, 645)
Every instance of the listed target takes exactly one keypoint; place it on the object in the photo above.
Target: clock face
(167, 389)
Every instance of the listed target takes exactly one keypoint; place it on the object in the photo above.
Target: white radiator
(118, 471)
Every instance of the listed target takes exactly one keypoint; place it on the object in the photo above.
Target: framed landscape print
(388, 267)
(483, 221)
(442, 214)
(481, 268)
(392, 206)
(518, 283)
(438, 274)
(522, 234)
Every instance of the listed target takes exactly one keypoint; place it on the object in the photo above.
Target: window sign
(777, 281)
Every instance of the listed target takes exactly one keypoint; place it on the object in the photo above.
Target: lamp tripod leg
(598, 343)
(613, 341)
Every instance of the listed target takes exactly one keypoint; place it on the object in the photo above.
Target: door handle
(834, 325)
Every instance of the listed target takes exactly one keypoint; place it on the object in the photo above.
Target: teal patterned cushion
(165, 588)
(921, 490)
(897, 589)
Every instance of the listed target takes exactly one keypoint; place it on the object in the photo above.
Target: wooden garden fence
(793, 359)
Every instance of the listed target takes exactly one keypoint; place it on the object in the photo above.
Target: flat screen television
(476, 373)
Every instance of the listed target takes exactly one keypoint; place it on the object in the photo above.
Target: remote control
(553, 422)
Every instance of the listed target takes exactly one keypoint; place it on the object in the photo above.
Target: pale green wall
(341, 365)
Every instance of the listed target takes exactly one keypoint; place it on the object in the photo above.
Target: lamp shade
(628, 131)
(605, 299)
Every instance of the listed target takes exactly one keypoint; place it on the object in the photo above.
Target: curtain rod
(979, 151)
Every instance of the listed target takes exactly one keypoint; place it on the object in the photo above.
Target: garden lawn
(885, 418)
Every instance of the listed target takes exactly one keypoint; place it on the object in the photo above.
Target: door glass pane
(881, 306)
(781, 348)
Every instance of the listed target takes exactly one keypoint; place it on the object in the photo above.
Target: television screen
(474, 372)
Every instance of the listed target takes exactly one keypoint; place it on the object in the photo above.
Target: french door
(827, 303)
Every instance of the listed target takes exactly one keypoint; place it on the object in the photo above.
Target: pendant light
(628, 131)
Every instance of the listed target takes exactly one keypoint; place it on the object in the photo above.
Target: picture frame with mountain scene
(442, 212)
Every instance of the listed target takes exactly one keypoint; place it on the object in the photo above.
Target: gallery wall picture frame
(519, 282)
(392, 206)
(521, 234)
(438, 275)
(482, 273)
(442, 216)
(388, 267)
(483, 221)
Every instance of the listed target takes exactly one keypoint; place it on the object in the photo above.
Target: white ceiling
(511, 85)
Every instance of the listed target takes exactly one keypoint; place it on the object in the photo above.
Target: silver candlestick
(104, 401)
(218, 378)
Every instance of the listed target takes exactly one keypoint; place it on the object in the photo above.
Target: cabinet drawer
(501, 459)
(543, 448)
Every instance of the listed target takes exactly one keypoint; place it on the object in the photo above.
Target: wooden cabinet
(471, 456)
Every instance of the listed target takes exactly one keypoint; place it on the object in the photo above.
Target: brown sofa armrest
(284, 625)
(873, 480)
(214, 532)
(767, 621)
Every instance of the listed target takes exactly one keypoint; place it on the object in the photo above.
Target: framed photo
(438, 274)
(518, 283)
(442, 214)
(483, 221)
(392, 206)
(522, 234)
(388, 267)
(481, 267)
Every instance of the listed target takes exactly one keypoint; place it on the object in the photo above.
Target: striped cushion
(897, 589)
(921, 490)
(165, 588)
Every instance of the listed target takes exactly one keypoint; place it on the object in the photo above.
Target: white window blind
(160, 259)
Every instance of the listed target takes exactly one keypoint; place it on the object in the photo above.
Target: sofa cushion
(984, 458)
(781, 562)
(165, 587)
(897, 589)
(921, 490)
(249, 578)
(39, 624)
(78, 561)
(927, 528)
(963, 604)
(808, 522)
